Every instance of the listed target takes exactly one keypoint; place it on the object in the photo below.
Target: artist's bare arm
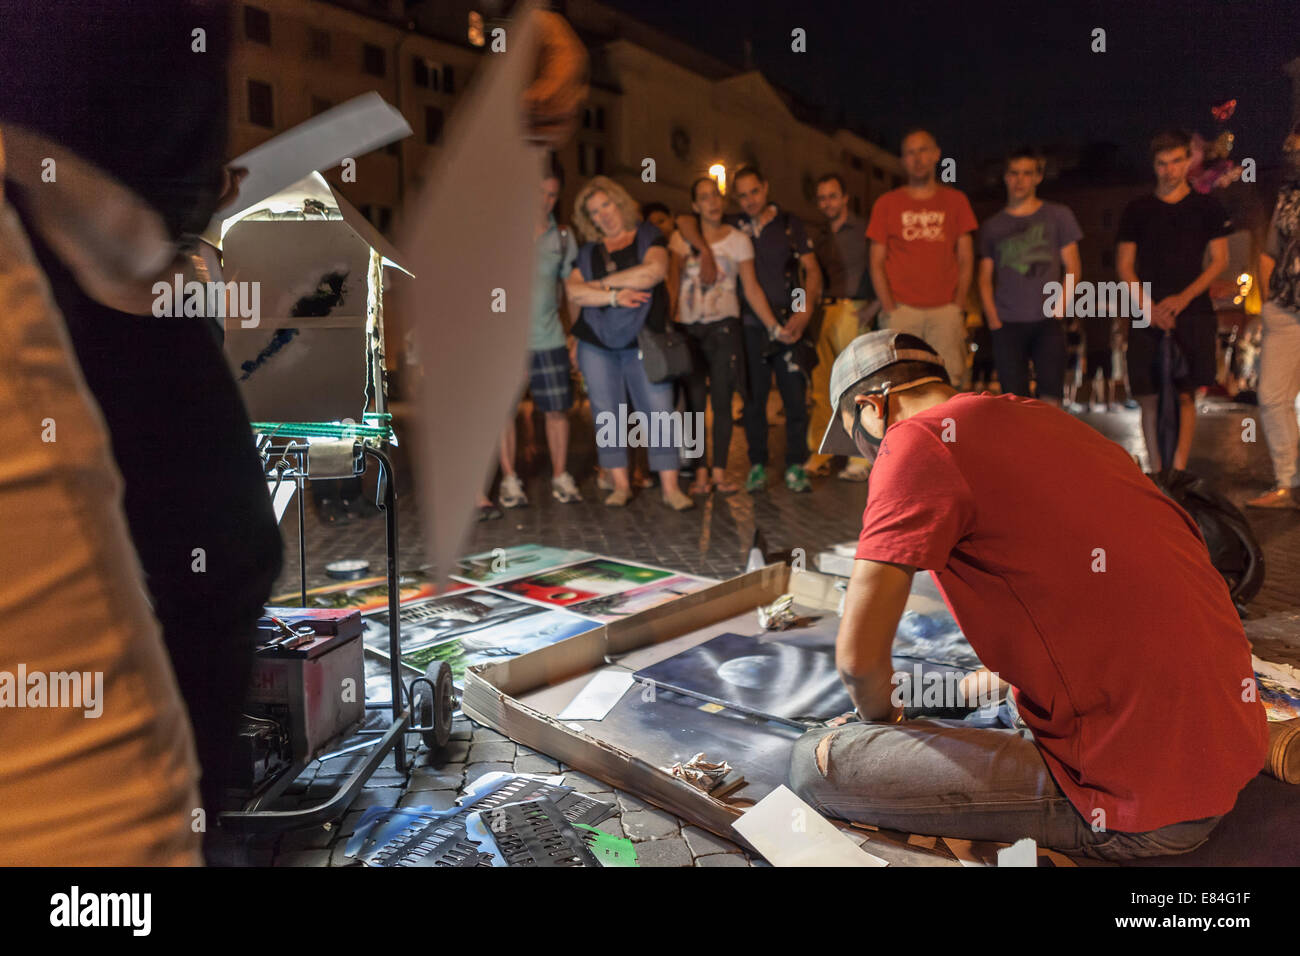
(647, 275)
(887, 303)
(872, 608)
(986, 295)
(965, 268)
(1126, 269)
(689, 227)
(754, 295)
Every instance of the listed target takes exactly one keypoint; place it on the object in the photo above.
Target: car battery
(309, 674)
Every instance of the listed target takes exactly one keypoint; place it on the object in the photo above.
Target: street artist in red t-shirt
(1076, 581)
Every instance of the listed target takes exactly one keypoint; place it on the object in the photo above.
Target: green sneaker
(796, 479)
(757, 479)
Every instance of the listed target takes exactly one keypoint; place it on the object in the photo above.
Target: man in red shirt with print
(922, 255)
(1138, 721)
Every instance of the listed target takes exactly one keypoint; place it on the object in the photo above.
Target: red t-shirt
(1131, 678)
(920, 239)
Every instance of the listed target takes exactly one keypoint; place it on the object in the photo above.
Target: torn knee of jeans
(823, 754)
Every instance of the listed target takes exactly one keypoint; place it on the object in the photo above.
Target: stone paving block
(475, 770)
(613, 826)
(482, 734)
(492, 750)
(313, 838)
(722, 859)
(438, 799)
(450, 776)
(378, 797)
(629, 802)
(535, 763)
(337, 857)
(317, 857)
(583, 783)
(704, 843)
(671, 851)
(456, 751)
(647, 824)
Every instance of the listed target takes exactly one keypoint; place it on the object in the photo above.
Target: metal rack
(286, 459)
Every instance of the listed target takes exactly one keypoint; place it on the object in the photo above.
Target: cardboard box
(520, 697)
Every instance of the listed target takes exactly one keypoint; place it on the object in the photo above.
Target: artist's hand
(553, 101)
(231, 177)
(708, 268)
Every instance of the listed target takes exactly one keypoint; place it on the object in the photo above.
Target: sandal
(678, 501)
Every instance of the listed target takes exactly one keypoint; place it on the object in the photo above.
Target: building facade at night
(652, 97)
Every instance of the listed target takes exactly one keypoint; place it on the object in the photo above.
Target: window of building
(373, 60)
(260, 112)
(448, 80)
(475, 33)
(319, 105)
(854, 160)
(257, 25)
(318, 44)
(425, 73)
(432, 124)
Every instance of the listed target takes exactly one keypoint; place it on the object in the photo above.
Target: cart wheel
(435, 712)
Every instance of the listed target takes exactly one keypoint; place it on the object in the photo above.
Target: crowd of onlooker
(754, 296)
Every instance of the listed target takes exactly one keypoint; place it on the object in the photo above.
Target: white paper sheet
(1021, 853)
(469, 239)
(351, 129)
(788, 832)
(280, 497)
(598, 697)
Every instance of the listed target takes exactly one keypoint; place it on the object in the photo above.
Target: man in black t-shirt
(1162, 241)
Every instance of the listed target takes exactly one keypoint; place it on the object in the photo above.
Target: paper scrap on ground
(788, 832)
(362, 124)
(921, 840)
(598, 697)
(469, 238)
(972, 853)
(1023, 852)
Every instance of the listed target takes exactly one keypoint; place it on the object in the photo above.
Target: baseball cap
(866, 355)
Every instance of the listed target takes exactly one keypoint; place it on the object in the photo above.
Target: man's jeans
(793, 386)
(943, 328)
(946, 778)
(1279, 383)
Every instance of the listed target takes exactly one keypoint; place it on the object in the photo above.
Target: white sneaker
(512, 492)
(565, 490)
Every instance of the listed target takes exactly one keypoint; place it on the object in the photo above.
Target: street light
(718, 173)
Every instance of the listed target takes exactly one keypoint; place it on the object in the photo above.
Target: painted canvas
(506, 564)
(564, 587)
(612, 607)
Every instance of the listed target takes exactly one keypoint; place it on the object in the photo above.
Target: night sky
(990, 76)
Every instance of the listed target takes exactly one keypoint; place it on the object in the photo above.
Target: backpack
(1234, 550)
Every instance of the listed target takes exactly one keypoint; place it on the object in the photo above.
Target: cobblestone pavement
(711, 540)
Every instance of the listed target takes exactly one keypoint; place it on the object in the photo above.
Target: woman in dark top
(619, 284)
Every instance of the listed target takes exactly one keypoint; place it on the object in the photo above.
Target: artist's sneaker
(565, 490)
(796, 479)
(757, 479)
(512, 492)
(1277, 498)
(856, 471)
